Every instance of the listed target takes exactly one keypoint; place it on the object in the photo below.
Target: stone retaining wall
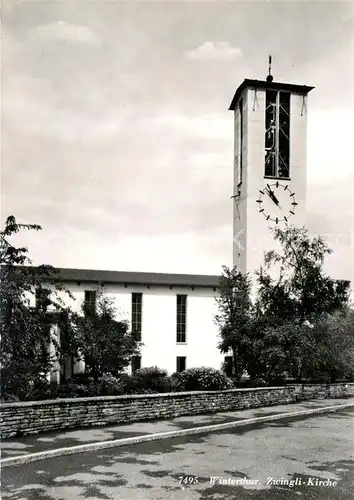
(18, 419)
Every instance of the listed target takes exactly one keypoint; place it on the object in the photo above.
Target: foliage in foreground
(298, 289)
(151, 380)
(298, 319)
(301, 325)
(30, 347)
(105, 343)
(201, 379)
(234, 318)
(25, 329)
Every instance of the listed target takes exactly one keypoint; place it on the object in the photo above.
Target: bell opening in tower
(241, 143)
(277, 134)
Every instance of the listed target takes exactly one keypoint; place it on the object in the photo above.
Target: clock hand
(276, 201)
(272, 197)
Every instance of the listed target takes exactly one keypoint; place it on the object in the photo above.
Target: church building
(174, 313)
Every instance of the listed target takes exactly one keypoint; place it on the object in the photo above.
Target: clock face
(277, 202)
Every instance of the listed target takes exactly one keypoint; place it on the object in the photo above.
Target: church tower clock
(270, 129)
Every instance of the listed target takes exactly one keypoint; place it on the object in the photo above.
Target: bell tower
(270, 165)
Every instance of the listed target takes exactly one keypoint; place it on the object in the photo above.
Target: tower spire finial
(269, 77)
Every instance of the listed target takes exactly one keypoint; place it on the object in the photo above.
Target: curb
(102, 445)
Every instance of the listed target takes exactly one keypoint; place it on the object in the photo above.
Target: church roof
(135, 278)
(262, 84)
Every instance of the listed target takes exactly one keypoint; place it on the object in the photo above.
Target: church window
(181, 364)
(181, 318)
(137, 306)
(240, 145)
(277, 134)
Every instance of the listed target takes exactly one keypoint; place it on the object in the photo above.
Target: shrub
(72, 390)
(81, 379)
(133, 385)
(249, 383)
(39, 389)
(130, 384)
(203, 378)
(109, 385)
(277, 381)
(9, 398)
(153, 379)
(33, 388)
(176, 382)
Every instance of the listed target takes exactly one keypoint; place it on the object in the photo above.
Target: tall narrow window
(181, 364)
(228, 366)
(277, 134)
(284, 134)
(42, 298)
(240, 145)
(137, 305)
(136, 363)
(90, 301)
(181, 318)
(270, 133)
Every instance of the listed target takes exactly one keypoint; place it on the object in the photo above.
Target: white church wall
(203, 333)
(159, 306)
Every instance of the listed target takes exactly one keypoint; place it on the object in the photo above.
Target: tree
(106, 345)
(334, 354)
(302, 289)
(288, 307)
(234, 317)
(25, 330)
(280, 349)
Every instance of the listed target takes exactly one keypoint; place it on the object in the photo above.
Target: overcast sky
(116, 134)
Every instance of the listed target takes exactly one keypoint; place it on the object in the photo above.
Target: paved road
(306, 450)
